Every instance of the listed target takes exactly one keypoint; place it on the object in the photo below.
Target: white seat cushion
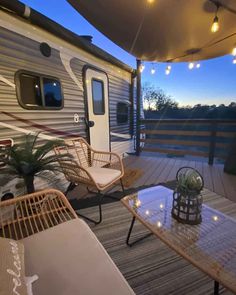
(69, 260)
(103, 176)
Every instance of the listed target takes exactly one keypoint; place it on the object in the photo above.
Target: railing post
(138, 105)
(212, 144)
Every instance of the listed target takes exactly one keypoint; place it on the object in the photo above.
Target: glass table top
(210, 245)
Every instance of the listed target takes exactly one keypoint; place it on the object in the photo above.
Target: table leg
(216, 288)
(129, 234)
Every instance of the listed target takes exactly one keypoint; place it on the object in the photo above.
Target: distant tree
(232, 104)
(164, 102)
(157, 98)
(148, 93)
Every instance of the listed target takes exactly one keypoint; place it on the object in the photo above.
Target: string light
(215, 25)
(142, 67)
(234, 51)
(153, 70)
(168, 69)
(198, 65)
(234, 55)
(191, 65)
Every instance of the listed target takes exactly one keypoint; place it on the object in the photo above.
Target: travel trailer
(60, 84)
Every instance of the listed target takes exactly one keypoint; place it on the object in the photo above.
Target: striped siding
(21, 52)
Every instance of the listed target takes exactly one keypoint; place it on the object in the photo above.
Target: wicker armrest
(30, 214)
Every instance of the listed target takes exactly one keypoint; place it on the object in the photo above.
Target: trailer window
(122, 113)
(30, 90)
(35, 91)
(52, 92)
(98, 97)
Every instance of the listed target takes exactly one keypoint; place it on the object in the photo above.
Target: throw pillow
(12, 269)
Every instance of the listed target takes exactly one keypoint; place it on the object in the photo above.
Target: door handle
(91, 124)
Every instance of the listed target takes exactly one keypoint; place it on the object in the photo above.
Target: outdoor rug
(150, 267)
(112, 197)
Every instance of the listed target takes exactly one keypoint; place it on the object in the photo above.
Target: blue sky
(213, 83)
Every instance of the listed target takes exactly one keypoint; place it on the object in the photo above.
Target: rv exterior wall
(20, 51)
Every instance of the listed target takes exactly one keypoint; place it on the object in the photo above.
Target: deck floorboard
(160, 169)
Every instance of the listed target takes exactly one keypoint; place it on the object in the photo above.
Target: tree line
(158, 104)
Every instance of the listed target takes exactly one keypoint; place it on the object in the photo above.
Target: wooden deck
(158, 170)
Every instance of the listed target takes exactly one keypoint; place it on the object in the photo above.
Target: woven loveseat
(58, 247)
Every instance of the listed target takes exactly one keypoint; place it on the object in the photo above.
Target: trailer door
(97, 109)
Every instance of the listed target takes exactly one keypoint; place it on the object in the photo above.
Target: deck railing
(195, 137)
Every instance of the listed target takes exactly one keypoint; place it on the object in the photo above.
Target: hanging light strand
(168, 69)
(153, 70)
(141, 68)
(215, 25)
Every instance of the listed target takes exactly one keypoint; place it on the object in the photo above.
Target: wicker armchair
(96, 169)
(24, 216)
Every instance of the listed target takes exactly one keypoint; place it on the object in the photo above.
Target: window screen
(35, 91)
(122, 113)
(98, 97)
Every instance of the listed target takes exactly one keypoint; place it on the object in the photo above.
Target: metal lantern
(187, 198)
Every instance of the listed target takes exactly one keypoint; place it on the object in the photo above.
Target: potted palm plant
(29, 159)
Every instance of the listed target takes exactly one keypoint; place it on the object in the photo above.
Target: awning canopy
(164, 30)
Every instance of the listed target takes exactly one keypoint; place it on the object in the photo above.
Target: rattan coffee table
(210, 246)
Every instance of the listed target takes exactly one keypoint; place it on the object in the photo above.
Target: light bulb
(191, 65)
(234, 60)
(198, 65)
(142, 67)
(153, 71)
(150, 1)
(234, 51)
(215, 25)
(168, 69)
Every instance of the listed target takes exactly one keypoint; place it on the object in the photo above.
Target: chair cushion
(103, 176)
(12, 268)
(70, 260)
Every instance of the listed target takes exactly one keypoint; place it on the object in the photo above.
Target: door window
(98, 97)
